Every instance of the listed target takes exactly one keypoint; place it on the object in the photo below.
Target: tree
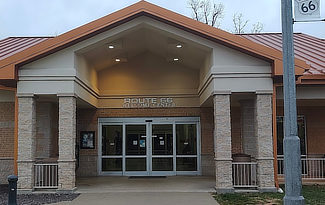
(211, 13)
(257, 27)
(206, 11)
(239, 23)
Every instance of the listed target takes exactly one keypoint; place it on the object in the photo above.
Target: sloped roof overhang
(9, 66)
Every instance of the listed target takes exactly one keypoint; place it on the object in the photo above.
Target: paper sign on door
(142, 143)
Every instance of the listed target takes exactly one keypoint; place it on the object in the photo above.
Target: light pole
(291, 144)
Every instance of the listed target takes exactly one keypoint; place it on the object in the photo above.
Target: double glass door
(149, 146)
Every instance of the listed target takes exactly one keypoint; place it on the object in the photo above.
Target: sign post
(291, 144)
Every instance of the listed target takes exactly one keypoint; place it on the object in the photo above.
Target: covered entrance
(149, 146)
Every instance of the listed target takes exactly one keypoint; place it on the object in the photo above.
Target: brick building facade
(145, 91)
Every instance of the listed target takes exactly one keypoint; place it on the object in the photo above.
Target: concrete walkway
(175, 190)
(125, 184)
(143, 199)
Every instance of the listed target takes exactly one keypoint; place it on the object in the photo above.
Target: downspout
(275, 160)
(16, 135)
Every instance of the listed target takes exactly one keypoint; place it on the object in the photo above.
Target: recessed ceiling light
(176, 59)
(179, 46)
(111, 47)
(117, 60)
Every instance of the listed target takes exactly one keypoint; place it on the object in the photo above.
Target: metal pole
(291, 142)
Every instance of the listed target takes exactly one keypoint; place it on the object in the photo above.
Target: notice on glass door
(142, 143)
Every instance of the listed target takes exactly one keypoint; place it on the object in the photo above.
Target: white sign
(307, 10)
(148, 102)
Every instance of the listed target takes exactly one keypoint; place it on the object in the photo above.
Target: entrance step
(146, 177)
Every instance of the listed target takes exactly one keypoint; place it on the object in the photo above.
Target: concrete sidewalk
(136, 198)
(187, 184)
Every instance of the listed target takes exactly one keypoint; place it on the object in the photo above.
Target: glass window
(301, 134)
(135, 140)
(162, 139)
(162, 164)
(136, 164)
(186, 139)
(186, 164)
(112, 164)
(112, 140)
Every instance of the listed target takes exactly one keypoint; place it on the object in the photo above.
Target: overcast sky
(54, 17)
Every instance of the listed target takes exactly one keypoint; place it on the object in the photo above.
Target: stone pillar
(67, 143)
(264, 134)
(222, 143)
(249, 141)
(26, 142)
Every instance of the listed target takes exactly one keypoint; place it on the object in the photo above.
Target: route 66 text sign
(307, 10)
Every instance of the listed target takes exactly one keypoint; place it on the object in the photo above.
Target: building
(146, 91)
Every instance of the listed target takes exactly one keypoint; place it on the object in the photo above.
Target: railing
(311, 168)
(244, 174)
(46, 176)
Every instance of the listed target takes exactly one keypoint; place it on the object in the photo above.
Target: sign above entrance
(150, 102)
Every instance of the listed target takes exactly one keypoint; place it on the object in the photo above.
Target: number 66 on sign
(307, 10)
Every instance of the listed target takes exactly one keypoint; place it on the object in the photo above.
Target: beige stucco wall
(304, 92)
(148, 74)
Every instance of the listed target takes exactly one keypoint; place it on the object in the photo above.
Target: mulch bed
(35, 199)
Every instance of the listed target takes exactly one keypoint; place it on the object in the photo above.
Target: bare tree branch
(217, 14)
(206, 11)
(239, 23)
(257, 27)
(195, 7)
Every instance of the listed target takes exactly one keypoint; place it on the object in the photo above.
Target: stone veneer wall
(7, 123)
(87, 120)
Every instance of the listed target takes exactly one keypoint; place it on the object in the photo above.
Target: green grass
(314, 195)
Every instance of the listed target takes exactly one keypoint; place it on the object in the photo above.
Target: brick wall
(315, 127)
(236, 141)
(87, 120)
(7, 123)
(46, 130)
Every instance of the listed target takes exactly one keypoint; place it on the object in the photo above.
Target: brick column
(249, 140)
(67, 143)
(222, 143)
(26, 142)
(264, 134)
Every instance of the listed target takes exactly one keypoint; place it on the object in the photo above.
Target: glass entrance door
(136, 149)
(159, 146)
(162, 158)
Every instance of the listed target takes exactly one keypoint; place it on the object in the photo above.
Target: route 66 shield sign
(307, 10)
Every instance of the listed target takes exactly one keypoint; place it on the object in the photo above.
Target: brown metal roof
(11, 45)
(307, 48)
